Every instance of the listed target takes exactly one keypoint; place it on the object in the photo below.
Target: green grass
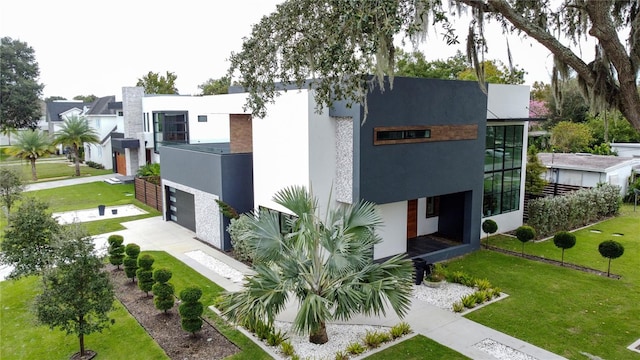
(49, 170)
(562, 310)
(417, 348)
(23, 338)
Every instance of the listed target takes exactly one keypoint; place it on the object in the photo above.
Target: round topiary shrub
(116, 250)
(130, 261)
(162, 290)
(564, 240)
(191, 309)
(145, 273)
(611, 250)
(525, 233)
(489, 227)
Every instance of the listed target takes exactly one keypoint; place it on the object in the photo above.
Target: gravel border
(501, 351)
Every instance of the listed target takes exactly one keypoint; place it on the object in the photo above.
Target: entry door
(412, 218)
(121, 164)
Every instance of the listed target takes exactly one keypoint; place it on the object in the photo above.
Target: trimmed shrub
(131, 260)
(236, 229)
(564, 240)
(287, 348)
(489, 227)
(145, 273)
(611, 250)
(458, 307)
(116, 250)
(191, 309)
(162, 290)
(482, 284)
(355, 348)
(525, 233)
(399, 330)
(550, 215)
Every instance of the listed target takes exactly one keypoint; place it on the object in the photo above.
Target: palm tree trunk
(319, 336)
(77, 153)
(34, 177)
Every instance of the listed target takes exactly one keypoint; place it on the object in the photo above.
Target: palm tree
(31, 145)
(328, 266)
(75, 131)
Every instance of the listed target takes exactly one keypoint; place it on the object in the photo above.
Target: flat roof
(584, 161)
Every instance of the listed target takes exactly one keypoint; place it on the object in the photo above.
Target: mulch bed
(553, 262)
(165, 328)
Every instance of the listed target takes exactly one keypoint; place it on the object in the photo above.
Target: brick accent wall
(241, 133)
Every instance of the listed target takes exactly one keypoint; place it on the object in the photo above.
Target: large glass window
(502, 169)
(170, 128)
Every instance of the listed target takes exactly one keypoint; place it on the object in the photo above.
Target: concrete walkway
(68, 182)
(445, 327)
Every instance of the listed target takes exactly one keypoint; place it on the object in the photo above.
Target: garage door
(181, 208)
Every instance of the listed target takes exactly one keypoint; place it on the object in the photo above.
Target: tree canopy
(86, 98)
(216, 86)
(154, 83)
(19, 87)
(31, 145)
(333, 43)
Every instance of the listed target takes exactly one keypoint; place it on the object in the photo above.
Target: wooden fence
(149, 193)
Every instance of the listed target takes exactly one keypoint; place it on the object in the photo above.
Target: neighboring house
(588, 170)
(626, 149)
(105, 115)
(428, 153)
(60, 110)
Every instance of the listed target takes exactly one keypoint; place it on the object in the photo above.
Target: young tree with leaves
(11, 187)
(191, 310)
(75, 132)
(154, 83)
(327, 265)
(564, 240)
(525, 233)
(31, 145)
(28, 243)
(489, 227)
(570, 137)
(77, 295)
(162, 289)
(19, 87)
(610, 249)
(116, 250)
(335, 43)
(131, 260)
(145, 273)
(534, 183)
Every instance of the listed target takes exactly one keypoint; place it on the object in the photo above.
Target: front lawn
(562, 310)
(55, 170)
(23, 338)
(417, 348)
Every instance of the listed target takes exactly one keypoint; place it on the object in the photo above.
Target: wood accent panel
(121, 164)
(438, 133)
(412, 218)
(148, 193)
(240, 133)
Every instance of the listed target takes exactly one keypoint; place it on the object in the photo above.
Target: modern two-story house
(436, 156)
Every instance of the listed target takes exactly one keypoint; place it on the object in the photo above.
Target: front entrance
(121, 164)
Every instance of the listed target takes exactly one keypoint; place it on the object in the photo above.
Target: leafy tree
(75, 132)
(534, 183)
(162, 289)
(77, 295)
(540, 91)
(154, 83)
(145, 273)
(414, 64)
(216, 86)
(568, 105)
(569, 137)
(494, 72)
(131, 260)
(28, 243)
(31, 145)
(237, 227)
(334, 43)
(86, 98)
(525, 233)
(327, 266)
(54, 98)
(610, 126)
(611, 250)
(489, 227)
(19, 88)
(191, 309)
(116, 250)
(150, 172)
(564, 240)
(11, 187)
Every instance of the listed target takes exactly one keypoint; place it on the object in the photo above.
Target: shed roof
(585, 162)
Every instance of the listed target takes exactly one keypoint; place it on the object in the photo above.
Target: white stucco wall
(507, 101)
(322, 157)
(103, 124)
(425, 225)
(394, 230)
(281, 148)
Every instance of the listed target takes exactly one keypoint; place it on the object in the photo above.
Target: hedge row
(550, 215)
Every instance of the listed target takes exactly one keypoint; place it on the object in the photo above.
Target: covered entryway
(181, 208)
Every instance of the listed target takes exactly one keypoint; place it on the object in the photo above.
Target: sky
(97, 49)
